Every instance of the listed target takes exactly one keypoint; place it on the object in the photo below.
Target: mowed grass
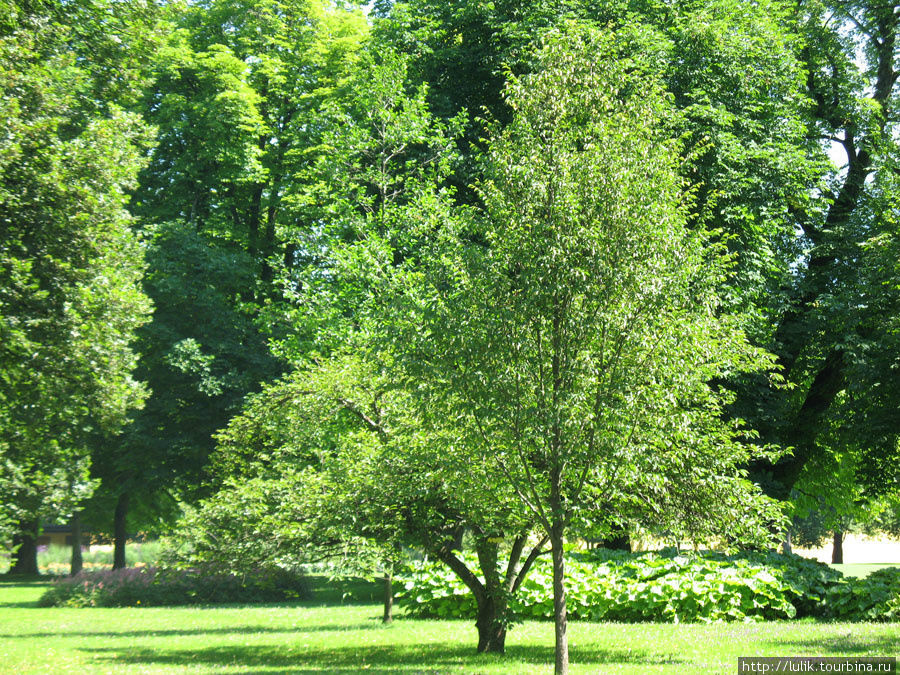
(313, 637)
(861, 569)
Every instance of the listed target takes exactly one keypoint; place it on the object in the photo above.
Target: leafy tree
(832, 337)
(335, 463)
(234, 96)
(365, 471)
(766, 91)
(70, 265)
(200, 355)
(578, 344)
(237, 100)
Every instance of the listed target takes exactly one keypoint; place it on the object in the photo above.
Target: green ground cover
(325, 636)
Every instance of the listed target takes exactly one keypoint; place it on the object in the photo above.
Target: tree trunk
(119, 532)
(804, 429)
(77, 560)
(492, 605)
(559, 599)
(489, 597)
(491, 631)
(25, 544)
(786, 547)
(388, 616)
(837, 549)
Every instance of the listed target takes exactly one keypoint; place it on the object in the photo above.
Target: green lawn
(315, 638)
(861, 569)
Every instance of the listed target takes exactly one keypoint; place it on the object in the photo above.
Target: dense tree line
(620, 257)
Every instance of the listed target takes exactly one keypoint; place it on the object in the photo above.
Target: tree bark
(491, 629)
(804, 431)
(77, 559)
(559, 599)
(837, 548)
(25, 544)
(797, 327)
(388, 616)
(786, 546)
(491, 622)
(490, 600)
(119, 532)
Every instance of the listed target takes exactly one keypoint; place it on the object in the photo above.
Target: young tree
(574, 329)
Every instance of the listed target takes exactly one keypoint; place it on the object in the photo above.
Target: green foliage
(201, 355)
(572, 328)
(70, 264)
(667, 587)
(873, 598)
(149, 586)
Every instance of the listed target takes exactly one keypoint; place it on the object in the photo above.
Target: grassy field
(324, 636)
(861, 569)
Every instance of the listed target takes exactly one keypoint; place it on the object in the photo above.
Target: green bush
(663, 587)
(874, 598)
(808, 582)
(150, 586)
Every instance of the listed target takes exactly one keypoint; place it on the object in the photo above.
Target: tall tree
(200, 356)
(237, 101)
(70, 264)
(235, 96)
(578, 338)
(767, 90)
(832, 337)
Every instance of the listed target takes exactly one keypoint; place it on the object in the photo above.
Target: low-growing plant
(664, 587)
(873, 598)
(808, 581)
(151, 586)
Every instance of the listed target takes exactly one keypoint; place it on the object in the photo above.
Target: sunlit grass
(861, 569)
(324, 636)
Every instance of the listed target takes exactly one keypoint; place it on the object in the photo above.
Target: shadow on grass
(846, 645)
(423, 658)
(19, 605)
(22, 581)
(232, 630)
(25, 579)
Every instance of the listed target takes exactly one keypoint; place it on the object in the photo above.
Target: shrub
(664, 586)
(808, 582)
(150, 586)
(874, 598)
